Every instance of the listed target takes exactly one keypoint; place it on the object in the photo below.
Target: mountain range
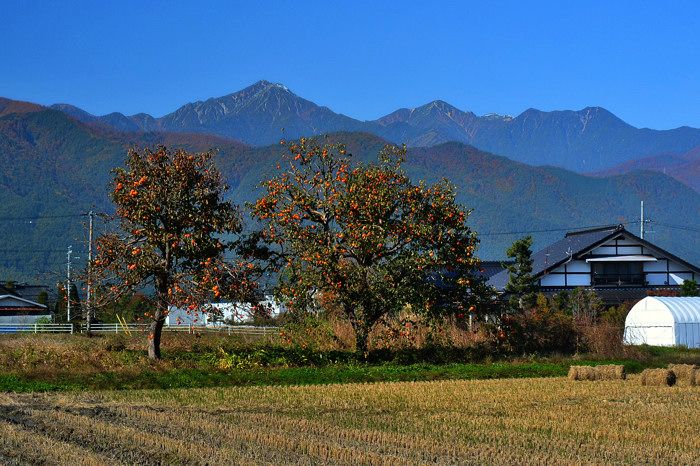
(684, 167)
(55, 164)
(587, 140)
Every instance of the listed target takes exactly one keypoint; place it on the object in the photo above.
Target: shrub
(407, 330)
(537, 331)
(689, 288)
(584, 304)
(279, 357)
(318, 333)
(615, 315)
(600, 338)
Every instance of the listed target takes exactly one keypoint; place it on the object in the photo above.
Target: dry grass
(526, 421)
(410, 330)
(602, 372)
(54, 357)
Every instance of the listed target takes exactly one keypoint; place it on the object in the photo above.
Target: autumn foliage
(174, 229)
(366, 238)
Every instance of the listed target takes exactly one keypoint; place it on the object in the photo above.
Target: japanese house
(616, 263)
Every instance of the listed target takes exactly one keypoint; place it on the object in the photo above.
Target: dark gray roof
(490, 268)
(573, 243)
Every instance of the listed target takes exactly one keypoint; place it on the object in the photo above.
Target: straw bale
(658, 377)
(581, 373)
(603, 372)
(610, 372)
(685, 373)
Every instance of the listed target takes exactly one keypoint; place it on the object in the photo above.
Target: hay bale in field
(685, 373)
(658, 377)
(604, 372)
(610, 372)
(581, 373)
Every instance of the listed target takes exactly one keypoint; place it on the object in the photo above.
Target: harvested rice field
(523, 421)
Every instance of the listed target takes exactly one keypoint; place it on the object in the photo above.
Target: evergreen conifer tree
(521, 288)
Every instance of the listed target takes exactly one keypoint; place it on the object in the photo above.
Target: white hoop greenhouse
(664, 321)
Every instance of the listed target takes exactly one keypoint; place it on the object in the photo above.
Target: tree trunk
(162, 308)
(88, 320)
(154, 335)
(361, 339)
(361, 326)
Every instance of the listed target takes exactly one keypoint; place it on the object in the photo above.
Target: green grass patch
(12, 383)
(44, 363)
(353, 373)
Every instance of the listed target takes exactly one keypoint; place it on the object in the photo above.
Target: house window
(618, 274)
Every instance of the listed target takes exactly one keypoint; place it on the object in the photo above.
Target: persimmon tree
(365, 237)
(174, 228)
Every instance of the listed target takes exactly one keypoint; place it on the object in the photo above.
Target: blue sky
(640, 60)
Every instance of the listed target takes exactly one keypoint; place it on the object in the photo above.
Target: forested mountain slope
(54, 167)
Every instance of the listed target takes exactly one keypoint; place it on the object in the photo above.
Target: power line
(42, 251)
(550, 230)
(678, 227)
(40, 217)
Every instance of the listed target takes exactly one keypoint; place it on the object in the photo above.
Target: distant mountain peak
(262, 86)
(436, 108)
(496, 117)
(75, 112)
(17, 106)
(439, 104)
(266, 83)
(259, 114)
(595, 109)
(279, 86)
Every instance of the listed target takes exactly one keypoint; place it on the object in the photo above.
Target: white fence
(219, 329)
(135, 328)
(36, 328)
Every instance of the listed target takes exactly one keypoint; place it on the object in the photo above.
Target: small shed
(18, 310)
(664, 321)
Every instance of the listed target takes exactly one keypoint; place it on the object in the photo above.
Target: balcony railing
(619, 279)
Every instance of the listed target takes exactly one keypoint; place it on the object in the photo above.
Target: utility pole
(641, 218)
(70, 251)
(88, 319)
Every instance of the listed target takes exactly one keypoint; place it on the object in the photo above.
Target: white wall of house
(573, 273)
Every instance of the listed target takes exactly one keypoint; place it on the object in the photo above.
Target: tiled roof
(490, 268)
